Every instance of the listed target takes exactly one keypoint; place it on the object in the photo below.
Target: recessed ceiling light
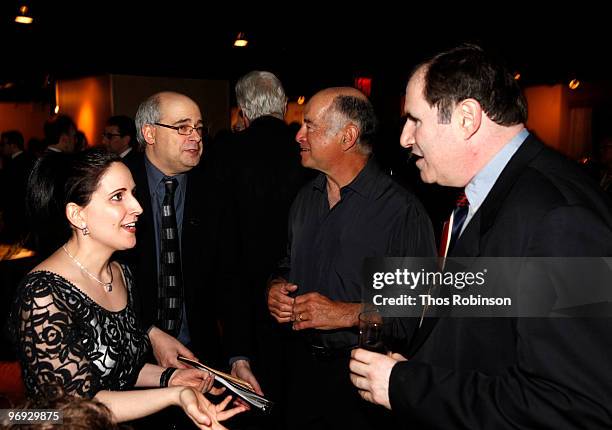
(241, 41)
(573, 84)
(23, 17)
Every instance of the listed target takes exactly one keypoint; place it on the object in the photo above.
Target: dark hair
(56, 126)
(467, 71)
(13, 137)
(36, 146)
(80, 143)
(360, 111)
(77, 413)
(56, 180)
(125, 125)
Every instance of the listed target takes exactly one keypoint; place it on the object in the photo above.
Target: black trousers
(321, 396)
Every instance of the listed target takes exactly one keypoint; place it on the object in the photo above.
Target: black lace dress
(65, 338)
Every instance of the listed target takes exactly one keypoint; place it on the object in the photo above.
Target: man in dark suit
(261, 170)
(120, 137)
(170, 128)
(13, 182)
(60, 134)
(466, 118)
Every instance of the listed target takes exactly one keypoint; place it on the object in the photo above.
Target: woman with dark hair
(74, 314)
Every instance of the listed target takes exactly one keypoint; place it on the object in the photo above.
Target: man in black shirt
(349, 212)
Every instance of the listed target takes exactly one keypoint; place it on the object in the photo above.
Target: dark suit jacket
(131, 157)
(210, 277)
(14, 181)
(261, 171)
(526, 372)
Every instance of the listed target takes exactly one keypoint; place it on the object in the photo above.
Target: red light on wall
(364, 85)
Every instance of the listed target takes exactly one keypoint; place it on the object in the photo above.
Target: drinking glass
(371, 331)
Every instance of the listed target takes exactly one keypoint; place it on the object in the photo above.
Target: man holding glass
(351, 211)
(466, 117)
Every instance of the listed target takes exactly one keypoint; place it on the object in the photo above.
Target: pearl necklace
(108, 286)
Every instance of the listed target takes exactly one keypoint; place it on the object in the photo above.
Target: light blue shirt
(479, 187)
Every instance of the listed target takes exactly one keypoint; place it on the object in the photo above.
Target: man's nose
(301, 135)
(407, 139)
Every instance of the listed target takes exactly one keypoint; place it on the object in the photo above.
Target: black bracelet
(165, 376)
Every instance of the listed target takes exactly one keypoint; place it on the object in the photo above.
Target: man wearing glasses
(169, 129)
(120, 137)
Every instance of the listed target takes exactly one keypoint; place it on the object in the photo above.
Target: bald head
(150, 111)
(170, 97)
(160, 120)
(346, 105)
(331, 93)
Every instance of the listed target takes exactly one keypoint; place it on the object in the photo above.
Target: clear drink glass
(371, 331)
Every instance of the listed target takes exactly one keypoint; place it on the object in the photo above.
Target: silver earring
(85, 230)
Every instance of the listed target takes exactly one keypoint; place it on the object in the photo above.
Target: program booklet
(239, 387)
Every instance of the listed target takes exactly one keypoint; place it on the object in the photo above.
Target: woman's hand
(166, 349)
(198, 379)
(205, 414)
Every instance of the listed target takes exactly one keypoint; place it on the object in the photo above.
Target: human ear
(469, 114)
(350, 134)
(76, 216)
(148, 132)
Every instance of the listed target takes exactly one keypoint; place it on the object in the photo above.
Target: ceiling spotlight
(23, 17)
(240, 41)
(573, 84)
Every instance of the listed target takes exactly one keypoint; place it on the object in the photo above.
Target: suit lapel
(145, 220)
(194, 194)
(468, 244)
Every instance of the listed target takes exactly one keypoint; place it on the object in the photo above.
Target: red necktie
(457, 218)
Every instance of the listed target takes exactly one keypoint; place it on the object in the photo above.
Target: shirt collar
(126, 152)
(320, 182)
(362, 184)
(481, 184)
(156, 176)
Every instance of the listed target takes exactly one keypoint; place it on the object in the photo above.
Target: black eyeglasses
(109, 136)
(184, 130)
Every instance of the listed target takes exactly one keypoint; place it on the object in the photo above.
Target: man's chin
(306, 160)
(191, 160)
(427, 179)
